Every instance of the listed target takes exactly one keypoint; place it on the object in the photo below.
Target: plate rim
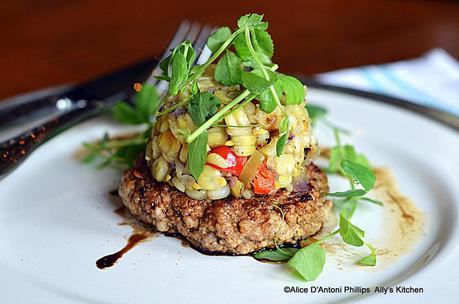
(422, 111)
(449, 120)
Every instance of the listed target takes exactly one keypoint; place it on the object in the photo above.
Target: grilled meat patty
(231, 225)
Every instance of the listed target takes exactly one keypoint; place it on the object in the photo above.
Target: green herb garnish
(277, 255)
(244, 58)
(315, 113)
(309, 261)
(146, 103)
(122, 151)
(197, 154)
(202, 106)
(228, 70)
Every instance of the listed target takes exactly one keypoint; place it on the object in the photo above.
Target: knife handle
(34, 106)
(17, 149)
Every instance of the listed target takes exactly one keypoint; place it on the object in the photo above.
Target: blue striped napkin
(431, 80)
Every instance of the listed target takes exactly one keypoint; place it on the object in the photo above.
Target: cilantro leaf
(216, 40)
(197, 154)
(278, 254)
(350, 233)
(308, 261)
(202, 106)
(362, 174)
(293, 89)
(228, 70)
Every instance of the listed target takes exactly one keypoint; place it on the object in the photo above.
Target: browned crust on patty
(231, 225)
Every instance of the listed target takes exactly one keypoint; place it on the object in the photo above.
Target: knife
(31, 107)
(87, 101)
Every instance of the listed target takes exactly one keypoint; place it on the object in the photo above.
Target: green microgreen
(316, 113)
(197, 154)
(243, 58)
(122, 151)
(203, 106)
(219, 37)
(278, 254)
(228, 70)
(308, 261)
(146, 103)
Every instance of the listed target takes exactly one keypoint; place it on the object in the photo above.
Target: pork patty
(231, 225)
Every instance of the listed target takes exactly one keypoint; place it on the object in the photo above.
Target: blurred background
(46, 43)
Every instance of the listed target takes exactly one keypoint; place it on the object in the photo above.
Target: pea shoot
(243, 58)
(309, 261)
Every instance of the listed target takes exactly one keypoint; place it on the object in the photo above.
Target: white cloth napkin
(431, 80)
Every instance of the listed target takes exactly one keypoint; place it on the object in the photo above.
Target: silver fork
(14, 151)
(198, 35)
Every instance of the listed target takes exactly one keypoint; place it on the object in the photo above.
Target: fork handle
(17, 149)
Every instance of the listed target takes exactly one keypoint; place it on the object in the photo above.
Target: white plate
(56, 220)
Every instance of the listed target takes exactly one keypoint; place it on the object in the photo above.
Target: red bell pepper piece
(235, 162)
(264, 181)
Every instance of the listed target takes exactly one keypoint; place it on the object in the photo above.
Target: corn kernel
(162, 125)
(183, 153)
(169, 145)
(217, 160)
(210, 179)
(222, 96)
(217, 137)
(244, 140)
(159, 169)
(244, 150)
(237, 188)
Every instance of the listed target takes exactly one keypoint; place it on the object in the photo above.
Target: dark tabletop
(53, 42)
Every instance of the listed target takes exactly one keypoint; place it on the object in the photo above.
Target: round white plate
(56, 220)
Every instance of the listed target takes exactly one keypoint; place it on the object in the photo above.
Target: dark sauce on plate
(139, 234)
(406, 219)
(111, 259)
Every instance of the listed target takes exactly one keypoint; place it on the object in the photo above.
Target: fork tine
(202, 40)
(193, 33)
(204, 51)
(179, 36)
(197, 35)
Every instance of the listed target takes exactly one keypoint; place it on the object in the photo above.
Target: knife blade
(33, 106)
(89, 99)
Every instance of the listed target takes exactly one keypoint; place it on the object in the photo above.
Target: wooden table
(53, 42)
